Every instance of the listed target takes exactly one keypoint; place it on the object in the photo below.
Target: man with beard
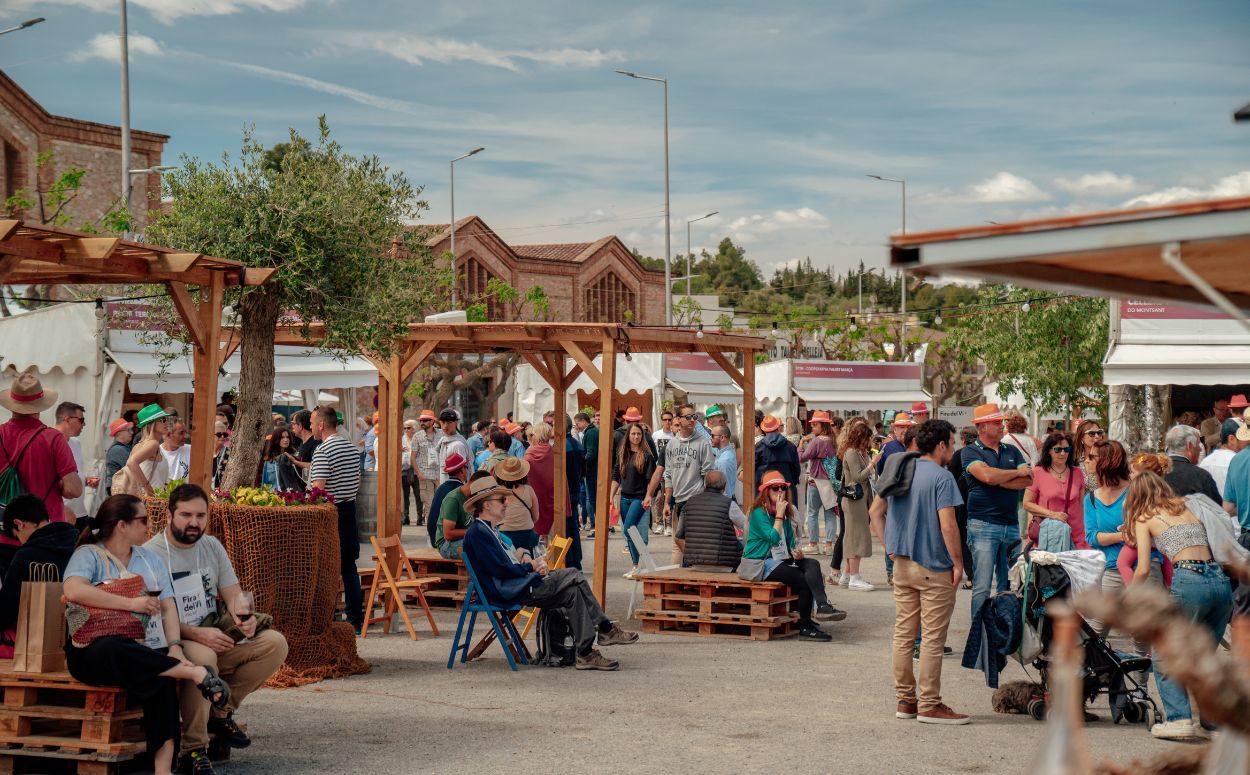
(201, 573)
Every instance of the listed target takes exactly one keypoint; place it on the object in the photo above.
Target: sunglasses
(778, 487)
(500, 499)
(685, 417)
(222, 435)
(1095, 433)
(1064, 450)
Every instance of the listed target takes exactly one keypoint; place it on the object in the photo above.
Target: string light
(1025, 307)
(699, 333)
(937, 319)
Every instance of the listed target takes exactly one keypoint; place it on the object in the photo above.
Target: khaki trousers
(921, 597)
(244, 667)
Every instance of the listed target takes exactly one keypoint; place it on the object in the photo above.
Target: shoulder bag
(87, 624)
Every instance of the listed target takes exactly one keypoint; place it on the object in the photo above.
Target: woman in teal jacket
(772, 554)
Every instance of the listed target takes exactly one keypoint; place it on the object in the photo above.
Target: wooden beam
(562, 484)
(588, 366)
(252, 276)
(416, 358)
(189, 311)
(7, 265)
(204, 401)
(175, 262)
(37, 250)
(607, 390)
(90, 247)
(229, 346)
(388, 448)
(571, 377)
(729, 368)
(748, 428)
(543, 371)
(8, 228)
(377, 363)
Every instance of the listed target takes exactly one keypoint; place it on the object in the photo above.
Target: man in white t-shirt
(200, 572)
(1216, 463)
(176, 451)
(70, 418)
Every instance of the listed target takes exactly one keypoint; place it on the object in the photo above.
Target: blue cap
(1228, 428)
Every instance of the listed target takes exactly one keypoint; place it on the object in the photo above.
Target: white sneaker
(1180, 729)
(668, 530)
(632, 572)
(812, 549)
(844, 580)
(857, 584)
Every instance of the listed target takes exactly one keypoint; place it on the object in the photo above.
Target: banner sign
(858, 376)
(1148, 322)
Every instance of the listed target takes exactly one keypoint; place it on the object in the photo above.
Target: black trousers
(137, 669)
(835, 562)
(803, 578)
(412, 488)
(349, 551)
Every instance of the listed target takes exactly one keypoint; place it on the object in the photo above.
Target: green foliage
(1050, 354)
(53, 203)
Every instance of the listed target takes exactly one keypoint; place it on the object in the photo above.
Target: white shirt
(77, 506)
(1024, 443)
(1216, 464)
(178, 462)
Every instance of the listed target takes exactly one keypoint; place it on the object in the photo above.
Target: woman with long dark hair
(857, 469)
(1085, 448)
(1057, 493)
(631, 473)
(111, 548)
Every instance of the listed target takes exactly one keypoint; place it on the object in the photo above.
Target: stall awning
(842, 400)
(704, 393)
(1176, 364)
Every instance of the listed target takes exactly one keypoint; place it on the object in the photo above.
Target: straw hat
(1238, 402)
(632, 415)
(27, 396)
(902, 420)
(427, 414)
(770, 424)
(772, 479)
(481, 489)
(986, 413)
(511, 469)
(920, 407)
(119, 425)
(820, 415)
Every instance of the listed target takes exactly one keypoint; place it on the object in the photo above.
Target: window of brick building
(607, 299)
(12, 170)
(474, 279)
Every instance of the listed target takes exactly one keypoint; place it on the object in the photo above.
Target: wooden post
(387, 446)
(204, 401)
(607, 387)
(562, 484)
(748, 430)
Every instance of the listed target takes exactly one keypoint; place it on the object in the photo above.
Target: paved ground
(678, 704)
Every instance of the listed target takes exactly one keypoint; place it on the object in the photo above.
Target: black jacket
(709, 533)
(896, 478)
(52, 543)
(1186, 479)
(775, 452)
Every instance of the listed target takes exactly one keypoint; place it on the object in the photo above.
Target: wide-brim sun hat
(821, 415)
(770, 424)
(427, 414)
(902, 420)
(986, 413)
(481, 489)
(1243, 433)
(772, 479)
(454, 462)
(511, 469)
(27, 396)
(119, 425)
(632, 415)
(150, 414)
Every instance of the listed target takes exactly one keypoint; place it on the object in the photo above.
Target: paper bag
(40, 643)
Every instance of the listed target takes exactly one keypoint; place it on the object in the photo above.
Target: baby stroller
(1104, 670)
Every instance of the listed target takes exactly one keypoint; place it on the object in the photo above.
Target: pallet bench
(52, 716)
(453, 580)
(718, 605)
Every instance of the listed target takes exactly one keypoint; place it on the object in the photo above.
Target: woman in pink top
(542, 477)
(1057, 491)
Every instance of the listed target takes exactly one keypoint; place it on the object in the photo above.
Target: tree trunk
(258, 315)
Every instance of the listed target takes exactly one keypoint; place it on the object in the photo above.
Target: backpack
(833, 469)
(11, 484)
(556, 647)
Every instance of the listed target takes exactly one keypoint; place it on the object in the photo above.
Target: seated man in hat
(212, 635)
(453, 519)
(510, 576)
(457, 470)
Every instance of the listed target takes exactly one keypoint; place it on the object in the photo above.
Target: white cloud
(356, 95)
(1006, 187)
(417, 51)
(1237, 184)
(1100, 183)
(168, 11)
(748, 228)
(106, 47)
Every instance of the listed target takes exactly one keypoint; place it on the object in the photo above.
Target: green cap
(713, 411)
(150, 414)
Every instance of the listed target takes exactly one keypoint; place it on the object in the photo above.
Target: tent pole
(748, 428)
(562, 490)
(607, 387)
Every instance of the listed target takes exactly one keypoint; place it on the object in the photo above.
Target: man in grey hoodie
(687, 459)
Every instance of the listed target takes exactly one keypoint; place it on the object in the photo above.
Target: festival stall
(793, 388)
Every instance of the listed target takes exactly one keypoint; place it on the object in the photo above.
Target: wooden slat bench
(453, 580)
(53, 716)
(691, 602)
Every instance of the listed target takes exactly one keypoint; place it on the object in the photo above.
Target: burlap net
(288, 556)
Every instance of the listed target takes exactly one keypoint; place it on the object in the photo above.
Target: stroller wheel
(1134, 713)
(1037, 708)
(1155, 717)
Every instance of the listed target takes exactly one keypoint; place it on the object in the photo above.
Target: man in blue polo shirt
(995, 473)
(1237, 486)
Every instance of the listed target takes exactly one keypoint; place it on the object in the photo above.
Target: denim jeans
(814, 508)
(990, 544)
(1204, 594)
(631, 515)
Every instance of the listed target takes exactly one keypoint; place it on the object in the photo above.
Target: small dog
(1014, 697)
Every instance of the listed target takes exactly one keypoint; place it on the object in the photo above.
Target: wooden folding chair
(557, 552)
(393, 586)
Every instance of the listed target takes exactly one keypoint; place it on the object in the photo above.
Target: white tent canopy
(533, 396)
(701, 379)
(845, 387)
(1171, 344)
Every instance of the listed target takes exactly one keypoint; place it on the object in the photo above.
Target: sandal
(214, 685)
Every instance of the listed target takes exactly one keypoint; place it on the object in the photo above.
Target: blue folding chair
(474, 603)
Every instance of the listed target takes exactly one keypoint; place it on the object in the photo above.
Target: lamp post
(452, 165)
(668, 253)
(696, 220)
(902, 337)
(23, 25)
(125, 122)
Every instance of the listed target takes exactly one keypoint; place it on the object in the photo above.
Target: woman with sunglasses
(145, 471)
(1058, 494)
(221, 451)
(1088, 434)
(767, 555)
(111, 548)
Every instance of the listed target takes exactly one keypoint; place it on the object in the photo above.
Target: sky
(991, 111)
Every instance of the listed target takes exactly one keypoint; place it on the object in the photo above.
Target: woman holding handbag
(857, 471)
(1057, 494)
(820, 451)
(124, 627)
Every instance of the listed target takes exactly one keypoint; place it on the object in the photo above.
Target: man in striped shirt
(336, 468)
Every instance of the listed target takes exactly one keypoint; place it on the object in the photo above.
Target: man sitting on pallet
(510, 576)
(200, 572)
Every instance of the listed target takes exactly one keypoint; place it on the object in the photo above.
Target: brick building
(28, 130)
(596, 281)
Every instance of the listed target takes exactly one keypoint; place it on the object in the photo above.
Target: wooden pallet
(453, 579)
(689, 602)
(53, 716)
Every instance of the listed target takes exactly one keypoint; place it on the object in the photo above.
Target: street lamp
(902, 277)
(668, 269)
(157, 169)
(696, 220)
(452, 165)
(23, 25)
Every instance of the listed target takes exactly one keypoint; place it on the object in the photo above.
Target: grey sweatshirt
(686, 462)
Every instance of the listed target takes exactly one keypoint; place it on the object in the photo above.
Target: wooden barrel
(367, 505)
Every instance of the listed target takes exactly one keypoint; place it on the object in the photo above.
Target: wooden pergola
(32, 254)
(559, 353)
